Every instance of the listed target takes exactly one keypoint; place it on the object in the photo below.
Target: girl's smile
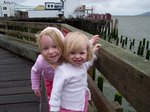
(49, 49)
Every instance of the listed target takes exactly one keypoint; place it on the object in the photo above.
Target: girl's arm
(94, 39)
(37, 92)
(36, 71)
(58, 83)
(96, 47)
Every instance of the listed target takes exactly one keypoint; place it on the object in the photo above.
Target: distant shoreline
(143, 14)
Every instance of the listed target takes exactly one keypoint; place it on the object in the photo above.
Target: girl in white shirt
(70, 92)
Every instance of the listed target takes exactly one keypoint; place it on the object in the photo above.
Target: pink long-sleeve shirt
(41, 68)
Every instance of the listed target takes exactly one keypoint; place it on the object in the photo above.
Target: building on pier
(7, 9)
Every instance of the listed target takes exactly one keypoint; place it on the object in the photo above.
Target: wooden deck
(15, 84)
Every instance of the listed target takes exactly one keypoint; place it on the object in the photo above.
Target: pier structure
(127, 72)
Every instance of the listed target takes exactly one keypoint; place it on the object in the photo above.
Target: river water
(137, 27)
(133, 27)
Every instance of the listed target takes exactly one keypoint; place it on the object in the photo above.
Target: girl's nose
(50, 50)
(77, 55)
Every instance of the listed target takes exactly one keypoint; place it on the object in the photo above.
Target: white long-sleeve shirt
(69, 87)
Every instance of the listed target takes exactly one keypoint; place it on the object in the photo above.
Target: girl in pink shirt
(50, 43)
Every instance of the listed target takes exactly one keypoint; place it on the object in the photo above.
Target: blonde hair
(74, 41)
(53, 33)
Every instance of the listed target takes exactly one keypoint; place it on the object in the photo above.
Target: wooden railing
(127, 72)
(24, 31)
(43, 99)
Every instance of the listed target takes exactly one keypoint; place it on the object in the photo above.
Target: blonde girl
(70, 92)
(50, 43)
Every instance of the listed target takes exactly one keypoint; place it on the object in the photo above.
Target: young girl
(50, 43)
(70, 92)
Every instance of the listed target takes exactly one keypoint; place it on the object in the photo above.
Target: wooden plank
(128, 73)
(90, 108)
(16, 94)
(18, 98)
(14, 77)
(15, 66)
(11, 70)
(43, 99)
(15, 83)
(21, 107)
(98, 98)
(10, 60)
(16, 90)
(5, 72)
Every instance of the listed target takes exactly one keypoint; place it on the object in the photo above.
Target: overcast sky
(115, 7)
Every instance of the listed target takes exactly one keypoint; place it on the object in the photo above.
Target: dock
(127, 72)
(16, 94)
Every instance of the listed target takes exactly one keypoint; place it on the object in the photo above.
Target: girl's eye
(45, 48)
(72, 52)
(82, 52)
(54, 46)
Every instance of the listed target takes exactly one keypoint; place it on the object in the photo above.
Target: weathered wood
(20, 107)
(11, 71)
(15, 66)
(17, 98)
(124, 70)
(98, 98)
(14, 77)
(90, 108)
(15, 90)
(128, 73)
(44, 106)
(8, 60)
(16, 94)
(15, 83)
(22, 49)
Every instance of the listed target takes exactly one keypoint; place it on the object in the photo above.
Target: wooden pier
(127, 72)
(15, 84)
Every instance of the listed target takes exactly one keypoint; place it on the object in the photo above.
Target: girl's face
(79, 56)
(49, 49)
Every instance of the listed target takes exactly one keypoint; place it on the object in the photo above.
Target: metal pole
(1, 11)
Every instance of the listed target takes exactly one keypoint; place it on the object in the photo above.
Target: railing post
(43, 107)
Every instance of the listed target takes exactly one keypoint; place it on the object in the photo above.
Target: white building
(7, 9)
(75, 9)
(43, 14)
(69, 8)
(52, 10)
(52, 6)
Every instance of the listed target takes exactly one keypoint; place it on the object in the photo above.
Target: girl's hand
(37, 93)
(96, 47)
(94, 39)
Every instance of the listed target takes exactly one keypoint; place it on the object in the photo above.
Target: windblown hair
(53, 33)
(74, 41)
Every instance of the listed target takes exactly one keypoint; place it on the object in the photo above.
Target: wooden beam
(98, 98)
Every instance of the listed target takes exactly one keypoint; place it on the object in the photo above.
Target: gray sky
(115, 7)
